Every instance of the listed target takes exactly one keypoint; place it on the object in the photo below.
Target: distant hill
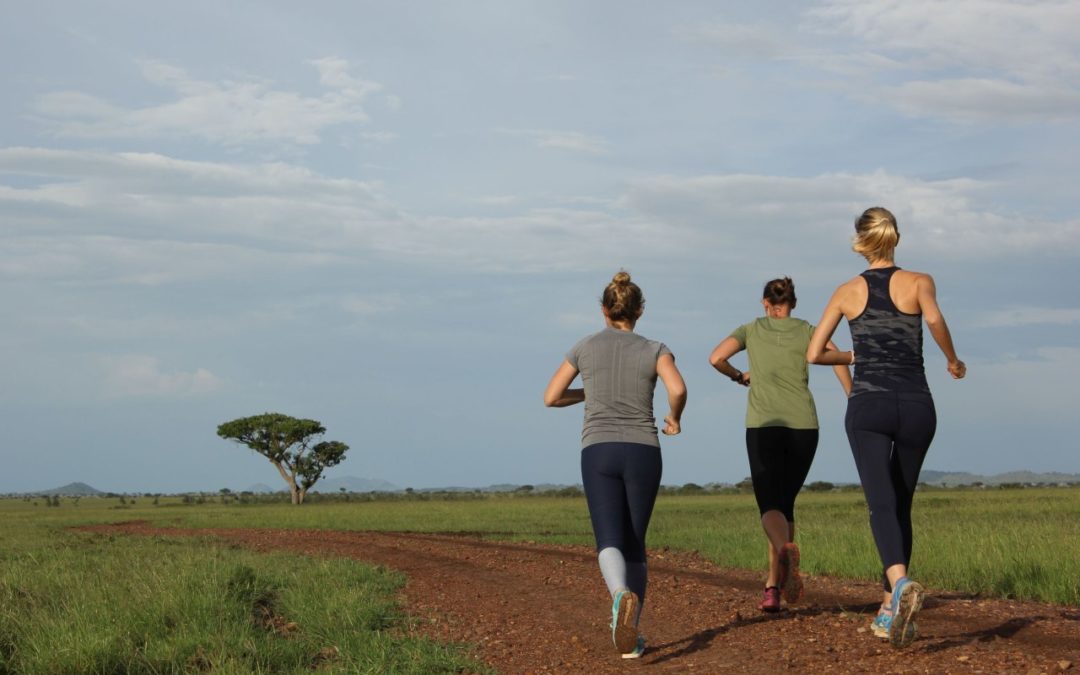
(71, 490)
(951, 478)
(354, 484)
(262, 488)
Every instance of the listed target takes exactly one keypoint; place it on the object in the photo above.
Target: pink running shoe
(791, 585)
(770, 601)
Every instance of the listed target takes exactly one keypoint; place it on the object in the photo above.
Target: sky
(397, 218)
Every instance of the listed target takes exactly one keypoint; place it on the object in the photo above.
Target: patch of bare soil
(531, 608)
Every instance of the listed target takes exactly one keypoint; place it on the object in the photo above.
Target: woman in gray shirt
(620, 456)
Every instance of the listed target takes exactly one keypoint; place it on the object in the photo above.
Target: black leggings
(621, 481)
(780, 458)
(890, 434)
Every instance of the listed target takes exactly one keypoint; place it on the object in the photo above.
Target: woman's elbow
(813, 355)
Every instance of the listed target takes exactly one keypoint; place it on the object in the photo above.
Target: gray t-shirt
(618, 371)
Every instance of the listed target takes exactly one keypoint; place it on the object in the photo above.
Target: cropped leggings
(621, 481)
(780, 458)
(890, 433)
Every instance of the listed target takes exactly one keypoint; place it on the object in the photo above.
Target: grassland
(74, 602)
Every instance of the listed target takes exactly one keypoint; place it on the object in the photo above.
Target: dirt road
(531, 608)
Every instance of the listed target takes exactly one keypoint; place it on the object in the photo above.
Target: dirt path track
(532, 608)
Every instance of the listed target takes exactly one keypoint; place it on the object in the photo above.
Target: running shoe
(623, 631)
(907, 600)
(770, 601)
(881, 623)
(791, 585)
(638, 650)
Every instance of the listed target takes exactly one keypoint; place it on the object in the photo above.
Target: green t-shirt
(779, 393)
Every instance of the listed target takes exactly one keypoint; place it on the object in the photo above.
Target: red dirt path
(531, 608)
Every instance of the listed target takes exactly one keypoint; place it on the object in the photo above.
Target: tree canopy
(288, 443)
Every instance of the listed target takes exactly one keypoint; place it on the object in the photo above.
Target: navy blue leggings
(890, 433)
(779, 458)
(621, 481)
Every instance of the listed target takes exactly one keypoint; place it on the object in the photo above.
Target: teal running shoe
(907, 600)
(623, 631)
(881, 623)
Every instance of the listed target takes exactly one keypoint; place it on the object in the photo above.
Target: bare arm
(822, 350)
(719, 359)
(676, 393)
(558, 394)
(926, 293)
(843, 373)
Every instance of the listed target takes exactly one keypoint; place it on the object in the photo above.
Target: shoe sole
(902, 631)
(792, 589)
(625, 634)
(639, 650)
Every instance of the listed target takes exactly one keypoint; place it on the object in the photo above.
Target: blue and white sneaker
(883, 621)
(638, 650)
(623, 631)
(907, 600)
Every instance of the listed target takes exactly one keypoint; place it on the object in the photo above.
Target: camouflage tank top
(887, 342)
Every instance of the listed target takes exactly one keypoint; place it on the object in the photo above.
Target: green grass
(73, 602)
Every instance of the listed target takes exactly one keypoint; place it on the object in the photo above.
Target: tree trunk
(294, 490)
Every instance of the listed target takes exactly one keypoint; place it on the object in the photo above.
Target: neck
(627, 326)
(881, 262)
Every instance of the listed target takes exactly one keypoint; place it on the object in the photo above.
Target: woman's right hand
(672, 427)
(957, 369)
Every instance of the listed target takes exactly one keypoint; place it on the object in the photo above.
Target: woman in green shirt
(781, 425)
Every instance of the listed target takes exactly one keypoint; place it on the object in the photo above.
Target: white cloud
(152, 219)
(965, 60)
(976, 100)
(740, 40)
(738, 214)
(1015, 317)
(227, 112)
(572, 141)
(140, 375)
(367, 305)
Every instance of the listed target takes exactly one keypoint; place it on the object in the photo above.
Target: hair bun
(622, 277)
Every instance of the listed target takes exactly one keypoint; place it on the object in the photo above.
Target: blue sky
(397, 217)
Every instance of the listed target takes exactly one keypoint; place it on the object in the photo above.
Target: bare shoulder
(854, 284)
(914, 277)
(850, 297)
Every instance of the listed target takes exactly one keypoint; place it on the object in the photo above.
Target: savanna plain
(82, 601)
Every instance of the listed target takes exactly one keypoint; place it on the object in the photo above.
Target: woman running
(890, 418)
(781, 425)
(620, 457)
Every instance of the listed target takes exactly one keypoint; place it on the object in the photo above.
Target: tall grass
(84, 603)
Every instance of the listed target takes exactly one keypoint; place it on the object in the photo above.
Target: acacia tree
(288, 443)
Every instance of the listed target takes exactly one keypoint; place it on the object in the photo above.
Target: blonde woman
(620, 456)
(781, 426)
(890, 418)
